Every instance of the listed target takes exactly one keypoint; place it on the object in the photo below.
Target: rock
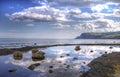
(110, 47)
(61, 56)
(106, 52)
(38, 56)
(75, 58)
(84, 62)
(50, 66)
(12, 70)
(91, 51)
(50, 71)
(67, 66)
(77, 48)
(17, 55)
(67, 54)
(59, 61)
(33, 66)
(34, 50)
(35, 43)
(107, 65)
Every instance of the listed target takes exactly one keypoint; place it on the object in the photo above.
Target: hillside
(93, 35)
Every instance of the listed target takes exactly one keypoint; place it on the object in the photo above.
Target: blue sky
(63, 19)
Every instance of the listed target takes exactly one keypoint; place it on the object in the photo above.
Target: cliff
(93, 35)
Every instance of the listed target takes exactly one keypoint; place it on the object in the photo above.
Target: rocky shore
(7, 51)
(108, 65)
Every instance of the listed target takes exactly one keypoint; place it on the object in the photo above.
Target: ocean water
(17, 43)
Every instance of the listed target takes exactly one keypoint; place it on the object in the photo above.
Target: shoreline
(7, 51)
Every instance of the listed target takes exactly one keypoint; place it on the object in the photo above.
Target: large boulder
(17, 55)
(108, 65)
(38, 56)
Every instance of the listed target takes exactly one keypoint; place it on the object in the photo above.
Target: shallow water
(64, 65)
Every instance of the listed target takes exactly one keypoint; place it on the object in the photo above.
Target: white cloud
(83, 15)
(40, 13)
(116, 13)
(106, 23)
(99, 25)
(75, 11)
(105, 6)
(60, 26)
(84, 27)
(98, 8)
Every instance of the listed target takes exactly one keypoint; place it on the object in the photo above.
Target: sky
(57, 19)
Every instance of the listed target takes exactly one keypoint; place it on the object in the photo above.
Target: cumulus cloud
(101, 25)
(99, 7)
(60, 26)
(83, 15)
(116, 13)
(39, 13)
(75, 11)
(47, 13)
(84, 27)
(106, 23)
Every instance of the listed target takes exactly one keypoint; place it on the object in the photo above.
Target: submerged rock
(17, 55)
(107, 65)
(12, 70)
(33, 66)
(77, 48)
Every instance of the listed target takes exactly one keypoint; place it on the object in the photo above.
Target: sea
(64, 60)
(23, 42)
